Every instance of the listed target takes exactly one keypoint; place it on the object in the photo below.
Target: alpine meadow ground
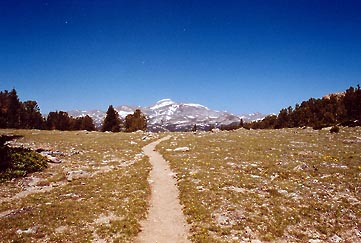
(99, 191)
(290, 185)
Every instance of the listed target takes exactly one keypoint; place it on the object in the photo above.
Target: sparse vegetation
(18, 162)
(291, 185)
(104, 199)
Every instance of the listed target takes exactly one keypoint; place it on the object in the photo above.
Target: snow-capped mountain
(96, 115)
(252, 117)
(167, 115)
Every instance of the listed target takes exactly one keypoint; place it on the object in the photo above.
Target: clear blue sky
(239, 56)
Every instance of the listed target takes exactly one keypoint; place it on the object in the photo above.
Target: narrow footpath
(165, 221)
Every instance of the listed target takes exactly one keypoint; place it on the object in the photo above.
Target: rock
(215, 130)
(139, 156)
(48, 155)
(283, 192)
(315, 241)
(75, 175)
(256, 241)
(326, 128)
(335, 239)
(52, 159)
(301, 167)
(31, 230)
(61, 229)
(181, 149)
(70, 195)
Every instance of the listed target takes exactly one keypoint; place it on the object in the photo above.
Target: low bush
(17, 162)
(335, 129)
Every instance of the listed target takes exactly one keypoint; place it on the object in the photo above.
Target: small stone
(181, 149)
(77, 174)
(256, 241)
(315, 241)
(216, 130)
(301, 167)
(31, 230)
(52, 159)
(335, 239)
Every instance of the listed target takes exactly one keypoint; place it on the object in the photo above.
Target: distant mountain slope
(167, 115)
(252, 117)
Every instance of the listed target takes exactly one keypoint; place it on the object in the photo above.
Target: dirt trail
(165, 222)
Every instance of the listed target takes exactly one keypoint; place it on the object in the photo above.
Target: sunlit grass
(106, 203)
(270, 185)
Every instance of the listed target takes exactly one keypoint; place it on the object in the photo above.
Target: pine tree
(241, 123)
(75, 123)
(58, 121)
(194, 129)
(282, 119)
(31, 116)
(3, 109)
(13, 110)
(136, 121)
(81, 123)
(352, 102)
(87, 123)
(112, 121)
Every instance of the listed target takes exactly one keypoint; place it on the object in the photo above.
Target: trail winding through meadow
(165, 221)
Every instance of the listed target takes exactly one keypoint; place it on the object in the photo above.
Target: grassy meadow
(289, 185)
(99, 191)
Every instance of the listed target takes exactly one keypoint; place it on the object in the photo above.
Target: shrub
(335, 129)
(17, 162)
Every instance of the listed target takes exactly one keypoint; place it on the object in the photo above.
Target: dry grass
(105, 199)
(288, 185)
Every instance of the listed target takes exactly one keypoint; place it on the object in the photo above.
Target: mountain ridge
(168, 115)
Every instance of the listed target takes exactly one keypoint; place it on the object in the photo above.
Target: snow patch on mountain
(162, 103)
(252, 117)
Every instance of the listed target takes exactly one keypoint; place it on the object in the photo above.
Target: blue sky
(239, 56)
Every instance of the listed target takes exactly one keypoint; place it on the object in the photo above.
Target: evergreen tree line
(132, 122)
(337, 109)
(344, 109)
(17, 114)
(26, 115)
(60, 120)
